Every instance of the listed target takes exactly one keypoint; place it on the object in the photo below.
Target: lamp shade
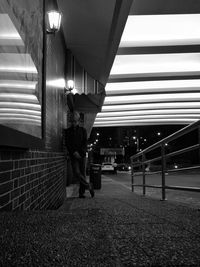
(70, 84)
(53, 21)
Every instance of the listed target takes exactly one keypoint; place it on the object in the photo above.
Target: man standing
(76, 142)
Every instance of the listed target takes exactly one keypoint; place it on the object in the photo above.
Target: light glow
(152, 86)
(156, 65)
(18, 110)
(70, 84)
(54, 21)
(143, 122)
(151, 106)
(147, 112)
(19, 115)
(151, 30)
(14, 104)
(18, 97)
(157, 116)
(12, 62)
(59, 83)
(151, 98)
(18, 84)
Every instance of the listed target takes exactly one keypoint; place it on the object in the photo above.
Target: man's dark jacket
(76, 140)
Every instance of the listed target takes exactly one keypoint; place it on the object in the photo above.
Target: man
(76, 142)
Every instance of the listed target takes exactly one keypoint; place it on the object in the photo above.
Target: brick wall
(31, 180)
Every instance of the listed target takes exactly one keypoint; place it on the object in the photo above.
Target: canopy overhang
(155, 78)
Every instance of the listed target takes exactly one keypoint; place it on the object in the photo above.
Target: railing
(140, 160)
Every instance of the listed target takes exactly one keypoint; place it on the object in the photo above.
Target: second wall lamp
(53, 21)
(69, 86)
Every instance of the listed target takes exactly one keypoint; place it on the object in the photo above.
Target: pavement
(115, 228)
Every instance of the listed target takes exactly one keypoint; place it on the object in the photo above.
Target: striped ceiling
(155, 76)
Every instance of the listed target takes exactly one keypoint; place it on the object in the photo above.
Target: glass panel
(21, 65)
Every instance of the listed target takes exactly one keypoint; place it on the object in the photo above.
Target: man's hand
(77, 155)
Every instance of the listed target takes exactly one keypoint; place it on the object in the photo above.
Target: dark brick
(6, 165)
(27, 187)
(15, 193)
(15, 174)
(22, 172)
(16, 164)
(6, 187)
(5, 176)
(22, 180)
(6, 155)
(28, 170)
(22, 198)
(4, 199)
(7, 207)
(15, 203)
(16, 183)
(22, 189)
(22, 163)
(32, 162)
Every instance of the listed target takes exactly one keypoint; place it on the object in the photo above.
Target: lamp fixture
(53, 21)
(69, 86)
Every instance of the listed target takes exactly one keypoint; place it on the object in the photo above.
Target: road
(190, 180)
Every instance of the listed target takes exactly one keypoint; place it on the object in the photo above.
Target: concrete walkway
(116, 228)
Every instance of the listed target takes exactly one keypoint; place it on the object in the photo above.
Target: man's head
(75, 118)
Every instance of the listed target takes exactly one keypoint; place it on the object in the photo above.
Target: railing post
(143, 174)
(132, 179)
(163, 170)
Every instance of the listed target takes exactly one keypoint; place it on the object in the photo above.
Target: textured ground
(116, 228)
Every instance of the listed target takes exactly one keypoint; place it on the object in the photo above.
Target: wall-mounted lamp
(69, 86)
(53, 21)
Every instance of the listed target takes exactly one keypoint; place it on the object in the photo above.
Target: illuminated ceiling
(154, 78)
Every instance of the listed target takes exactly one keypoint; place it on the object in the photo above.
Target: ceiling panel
(154, 78)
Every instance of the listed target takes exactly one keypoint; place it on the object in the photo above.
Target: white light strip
(158, 116)
(156, 64)
(18, 84)
(14, 120)
(26, 97)
(147, 112)
(151, 30)
(152, 86)
(151, 106)
(59, 83)
(13, 104)
(18, 110)
(14, 36)
(19, 119)
(12, 62)
(145, 121)
(19, 115)
(151, 98)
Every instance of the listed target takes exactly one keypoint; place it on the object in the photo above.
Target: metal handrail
(139, 159)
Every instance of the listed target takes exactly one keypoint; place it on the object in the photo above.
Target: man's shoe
(81, 196)
(91, 189)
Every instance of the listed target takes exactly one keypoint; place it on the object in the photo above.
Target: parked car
(123, 167)
(107, 167)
